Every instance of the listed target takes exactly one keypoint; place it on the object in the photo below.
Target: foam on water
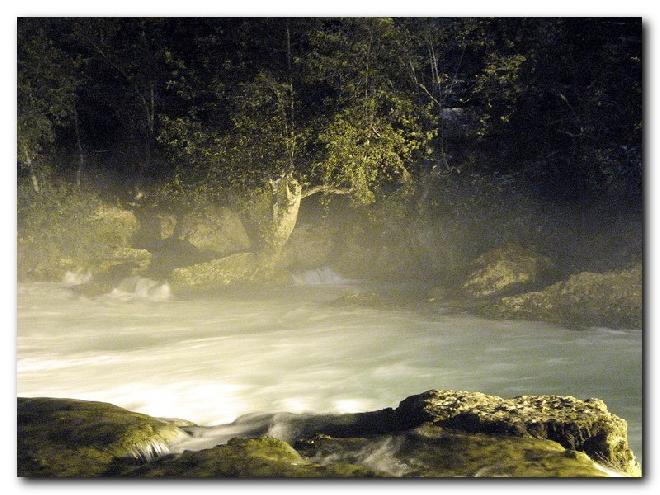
(212, 360)
(143, 288)
(76, 278)
(319, 276)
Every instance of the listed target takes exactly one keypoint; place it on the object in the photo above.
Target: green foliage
(45, 89)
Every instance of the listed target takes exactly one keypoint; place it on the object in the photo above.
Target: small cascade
(78, 277)
(319, 276)
(141, 288)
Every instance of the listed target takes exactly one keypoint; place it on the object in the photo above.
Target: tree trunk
(81, 155)
(287, 194)
(33, 174)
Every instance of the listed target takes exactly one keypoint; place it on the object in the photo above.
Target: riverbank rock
(433, 434)
(308, 247)
(155, 226)
(216, 230)
(242, 269)
(114, 226)
(169, 254)
(67, 438)
(611, 299)
(75, 232)
(505, 270)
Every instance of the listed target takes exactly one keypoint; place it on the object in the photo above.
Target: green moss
(71, 438)
(434, 452)
(244, 458)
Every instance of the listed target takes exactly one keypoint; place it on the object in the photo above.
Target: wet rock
(216, 230)
(245, 458)
(72, 438)
(307, 247)
(612, 299)
(581, 425)
(114, 226)
(434, 452)
(505, 270)
(236, 270)
(578, 425)
(108, 273)
(433, 434)
(169, 254)
(155, 226)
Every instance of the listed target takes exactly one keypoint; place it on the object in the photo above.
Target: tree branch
(326, 190)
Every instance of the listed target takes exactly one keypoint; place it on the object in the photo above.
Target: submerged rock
(72, 438)
(505, 270)
(612, 299)
(434, 434)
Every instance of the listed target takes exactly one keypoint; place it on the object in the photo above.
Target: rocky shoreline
(434, 434)
(209, 251)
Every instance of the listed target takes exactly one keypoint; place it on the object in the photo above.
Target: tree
(46, 92)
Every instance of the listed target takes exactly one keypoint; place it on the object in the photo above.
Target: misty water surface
(212, 360)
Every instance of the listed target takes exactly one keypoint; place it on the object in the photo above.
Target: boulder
(433, 434)
(236, 270)
(578, 425)
(67, 438)
(155, 226)
(573, 425)
(308, 247)
(613, 299)
(505, 270)
(214, 230)
(169, 254)
(109, 271)
(113, 226)
(80, 234)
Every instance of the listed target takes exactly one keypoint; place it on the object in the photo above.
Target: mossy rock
(114, 226)
(242, 269)
(581, 425)
(245, 458)
(215, 230)
(577, 425)
(76, 439)
(613, 299)
(434, 434)
(308, 247)
(433, 452)
(505, 270)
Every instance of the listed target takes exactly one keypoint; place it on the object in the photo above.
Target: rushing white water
(319, 276)
(212, 360)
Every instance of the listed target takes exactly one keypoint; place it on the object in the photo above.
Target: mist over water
(212, 360)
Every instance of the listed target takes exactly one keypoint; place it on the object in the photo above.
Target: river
(212, 360)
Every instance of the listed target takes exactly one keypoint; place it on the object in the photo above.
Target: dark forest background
(483, 129)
